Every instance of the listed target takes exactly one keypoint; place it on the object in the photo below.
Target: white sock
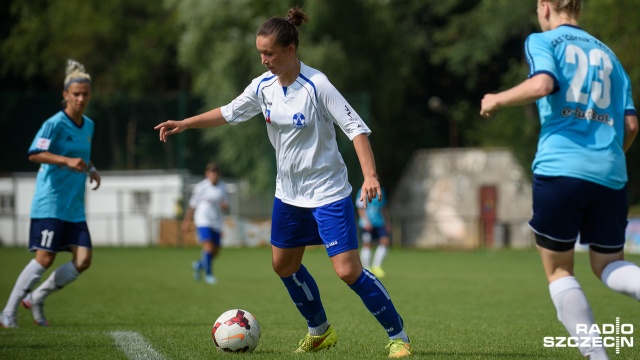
(401, 335)
(573, 309)
(26, 280)
(56, 281)
(378, 257)
(319, 330)
(623, 277)
(365, 256)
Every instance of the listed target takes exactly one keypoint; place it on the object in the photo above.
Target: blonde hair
(569, 7)
(75, 73)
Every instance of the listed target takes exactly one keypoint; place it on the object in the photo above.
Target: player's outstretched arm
(527, 92)
(371, 185)
(211, 118)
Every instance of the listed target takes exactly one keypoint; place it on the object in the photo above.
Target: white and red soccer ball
(236, 330)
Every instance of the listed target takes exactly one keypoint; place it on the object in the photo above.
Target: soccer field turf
(456, 305)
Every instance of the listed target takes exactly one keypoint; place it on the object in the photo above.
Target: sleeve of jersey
(242, 108)
(43, 139)
(193, 200)
(540, 58)
(629, 108)
(339, 110)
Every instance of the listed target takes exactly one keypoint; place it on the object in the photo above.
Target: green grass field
(456, 305)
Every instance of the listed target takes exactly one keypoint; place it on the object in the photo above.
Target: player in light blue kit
(375, 225)
(63, 148)
(312, 204)
(588, 122)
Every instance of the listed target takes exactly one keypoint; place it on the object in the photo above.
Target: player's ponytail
(75, 73)
(569, 7)
(284, 29)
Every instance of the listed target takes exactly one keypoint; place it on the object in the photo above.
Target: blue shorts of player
(55, 235)
(333, 225)
(375, 234)
(565, 207)
(209, 234)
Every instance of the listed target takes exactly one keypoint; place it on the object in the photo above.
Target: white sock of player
(56, 281)
(365, 256)
(623, 277)
(573, 309)
(319, 330)
(26, 280)
(378, 256)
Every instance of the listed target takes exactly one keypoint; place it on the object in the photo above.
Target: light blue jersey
(584, 137)
(59, 190)
(374, 210)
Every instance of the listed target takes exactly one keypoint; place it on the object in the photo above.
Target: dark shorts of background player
(209, 234)
(566, 208)
(55, 235)
(375, 234)
(332, 225)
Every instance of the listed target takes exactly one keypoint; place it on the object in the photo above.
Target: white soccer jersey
(299, 120)
(207, 199)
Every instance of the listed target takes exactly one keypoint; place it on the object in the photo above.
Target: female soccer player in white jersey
(311, 205)
(588, 121)
(206, 205)
(63, 148)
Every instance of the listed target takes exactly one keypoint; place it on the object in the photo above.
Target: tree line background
(157, 60)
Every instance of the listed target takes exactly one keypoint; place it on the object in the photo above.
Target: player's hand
(170, 127)
(489, 105)
(76, 164)
(186, 226)
(94, 177)
(370, 190)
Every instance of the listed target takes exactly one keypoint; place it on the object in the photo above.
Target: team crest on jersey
(299, 121)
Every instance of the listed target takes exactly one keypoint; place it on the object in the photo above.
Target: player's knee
(348, 275)
(284, 270)
(45, 259)
(82, 264)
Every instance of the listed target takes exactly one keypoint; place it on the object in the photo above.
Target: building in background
(462, 198)
(136, 208)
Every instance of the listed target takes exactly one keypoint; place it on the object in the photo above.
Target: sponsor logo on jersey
(43, 144)
(589, 114)
(299, 121)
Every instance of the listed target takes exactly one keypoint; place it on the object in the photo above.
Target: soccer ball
(236, 330)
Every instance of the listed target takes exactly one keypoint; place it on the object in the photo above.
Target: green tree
(127, 46)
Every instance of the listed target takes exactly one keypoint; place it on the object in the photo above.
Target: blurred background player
(207, 205)
(63, 148)
(312, 204)
(588, 122)
(375, 225)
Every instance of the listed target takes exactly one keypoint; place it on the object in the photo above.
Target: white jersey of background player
(299, 121)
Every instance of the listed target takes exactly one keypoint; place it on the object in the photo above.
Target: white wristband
(92, 169)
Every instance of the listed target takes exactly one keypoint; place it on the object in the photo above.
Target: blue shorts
(564, 207)
(332, 225)
(375, 234)
(55, 235)
(209, 234)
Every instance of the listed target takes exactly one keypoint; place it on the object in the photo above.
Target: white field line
(134, 346)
